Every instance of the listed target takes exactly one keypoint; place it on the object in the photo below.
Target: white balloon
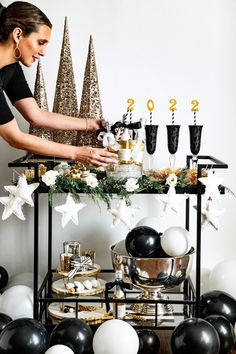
(205, 273)
(120, 248)
(176, 241)
(26, 279)
(222, 277)
(150, 221)
(17, 302)
(59, 349)
(115, 337)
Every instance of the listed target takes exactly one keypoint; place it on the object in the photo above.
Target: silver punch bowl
(151, 276)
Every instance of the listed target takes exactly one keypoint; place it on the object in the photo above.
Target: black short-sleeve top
(13, 83)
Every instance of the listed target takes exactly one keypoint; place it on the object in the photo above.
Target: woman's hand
(95, 156)
(94, 124)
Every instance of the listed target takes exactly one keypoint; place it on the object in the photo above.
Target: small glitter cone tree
(40, 96)
(65, 101)
(90, 106)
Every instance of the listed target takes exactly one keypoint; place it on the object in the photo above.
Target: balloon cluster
(146, 242)
(212, 333)
(26, 335)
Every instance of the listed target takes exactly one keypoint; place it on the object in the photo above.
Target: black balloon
(149, 342)
(195, 336)
(4, 320)
(225, 331)
(217, 302)
(74, 333)
(24, 336)
(3, 277)
(143, 241)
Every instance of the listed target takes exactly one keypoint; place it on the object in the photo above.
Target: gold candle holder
(29, 174)
(65, 261)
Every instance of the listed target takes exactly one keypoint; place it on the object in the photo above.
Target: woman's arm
(30, 110)
(87, 155)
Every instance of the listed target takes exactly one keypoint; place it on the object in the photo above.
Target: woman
(24, 34)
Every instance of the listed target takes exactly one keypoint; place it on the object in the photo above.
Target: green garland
(107, 186)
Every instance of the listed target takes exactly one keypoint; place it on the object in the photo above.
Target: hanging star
(170, 201)
(23, 190)
(122, 214)
(12, 205)
(69, 210)
(210, 215)
(211, 182)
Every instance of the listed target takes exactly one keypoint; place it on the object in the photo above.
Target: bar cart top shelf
(204, 162)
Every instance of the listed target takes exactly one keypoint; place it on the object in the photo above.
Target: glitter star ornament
(90, 106)
(12, 205)
(170, 201)
(23, 190)
(69, 210)
(65, 100)
(210, 215)
(122, 214)
(211, 182)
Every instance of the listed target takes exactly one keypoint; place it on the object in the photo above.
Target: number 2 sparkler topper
(151, 130)
(195, 132)
(130, 109)
(173, 134)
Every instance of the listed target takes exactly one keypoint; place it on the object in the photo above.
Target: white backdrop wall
(144, 49)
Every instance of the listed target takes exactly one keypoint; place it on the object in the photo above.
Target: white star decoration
(211, 182)
(23, 190)
(122, 214)
(210, 215)
(69, 210)
(170, 201)
(12, 206)
(19, 195)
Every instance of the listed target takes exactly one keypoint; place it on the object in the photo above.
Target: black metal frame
(43, 296)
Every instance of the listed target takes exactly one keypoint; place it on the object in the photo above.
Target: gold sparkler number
(195, 104)
(131, 104)
(173, 103)
(150, 105)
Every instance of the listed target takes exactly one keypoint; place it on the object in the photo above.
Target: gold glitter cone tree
(65, 101)
(41, 99)
(90, 106)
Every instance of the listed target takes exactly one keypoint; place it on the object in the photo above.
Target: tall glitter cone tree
(90, 106)
(65, 101)
(40, 96)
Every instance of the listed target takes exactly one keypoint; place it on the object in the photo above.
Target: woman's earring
(17, 52)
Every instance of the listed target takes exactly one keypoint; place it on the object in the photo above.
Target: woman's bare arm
(30, 110)
(88, 155)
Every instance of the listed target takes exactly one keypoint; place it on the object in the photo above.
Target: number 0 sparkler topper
(151, 130)
(173, 133)
(195, 133)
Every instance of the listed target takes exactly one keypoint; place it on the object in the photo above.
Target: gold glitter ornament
(65, 100)
(90, 106)
(41, 99)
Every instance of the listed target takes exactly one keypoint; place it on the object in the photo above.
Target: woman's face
(34, 46)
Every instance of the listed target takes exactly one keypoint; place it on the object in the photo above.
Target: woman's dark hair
(21, 14)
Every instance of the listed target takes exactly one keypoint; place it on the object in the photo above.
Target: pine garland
(153, 181)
